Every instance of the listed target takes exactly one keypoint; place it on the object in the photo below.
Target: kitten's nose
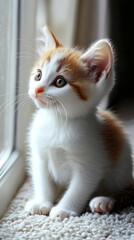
(39, 90)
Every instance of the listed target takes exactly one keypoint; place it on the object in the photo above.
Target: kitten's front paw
(62, 213)
(34, 207)
(101, 204)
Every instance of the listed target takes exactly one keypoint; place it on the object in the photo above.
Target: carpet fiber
(16, 224)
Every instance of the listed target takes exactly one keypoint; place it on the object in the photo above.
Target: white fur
(67, 150)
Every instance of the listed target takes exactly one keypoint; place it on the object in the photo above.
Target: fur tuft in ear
(98, 59)
(48, 40)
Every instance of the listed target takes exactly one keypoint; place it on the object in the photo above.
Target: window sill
(11, 180)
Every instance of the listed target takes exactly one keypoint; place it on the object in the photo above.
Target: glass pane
(6, 93)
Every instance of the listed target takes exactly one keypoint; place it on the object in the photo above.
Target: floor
(17, 225)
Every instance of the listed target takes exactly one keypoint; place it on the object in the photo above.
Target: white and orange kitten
(79, 155)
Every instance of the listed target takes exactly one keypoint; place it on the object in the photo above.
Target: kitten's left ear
(98, 59)
(48, 39)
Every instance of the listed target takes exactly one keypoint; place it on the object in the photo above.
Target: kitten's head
(70, 81)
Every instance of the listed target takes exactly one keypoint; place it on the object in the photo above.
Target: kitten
(79, 155)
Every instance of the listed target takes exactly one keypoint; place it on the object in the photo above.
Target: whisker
(66, 116)
(21, 105)
(7, 94)
(12, 103)
(61, 104)
(55, 105)
(4, 103)
(58, 110)
(56, 102)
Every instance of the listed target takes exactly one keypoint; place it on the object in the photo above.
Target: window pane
(7, 78)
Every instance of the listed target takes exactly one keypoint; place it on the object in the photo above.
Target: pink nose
(38, 90)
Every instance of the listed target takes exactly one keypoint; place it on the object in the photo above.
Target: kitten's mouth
(44, 101)
(41, 101)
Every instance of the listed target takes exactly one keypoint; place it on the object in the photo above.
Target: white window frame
(12, 173)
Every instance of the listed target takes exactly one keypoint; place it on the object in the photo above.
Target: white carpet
(17, 225)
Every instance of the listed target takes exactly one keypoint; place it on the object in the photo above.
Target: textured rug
(16, 224)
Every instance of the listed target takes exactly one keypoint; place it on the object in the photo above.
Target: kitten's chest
(59, 166)
(50, 133)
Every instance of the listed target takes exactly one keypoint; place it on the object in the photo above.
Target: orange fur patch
(45, 58)
(61, 63)
(80, 90)
(113, 135)
(74, 69)
(58, 44)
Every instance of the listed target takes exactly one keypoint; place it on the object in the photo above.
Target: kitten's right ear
(48, 40)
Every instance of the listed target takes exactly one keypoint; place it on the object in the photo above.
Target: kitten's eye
(60, 82)
(38, 75)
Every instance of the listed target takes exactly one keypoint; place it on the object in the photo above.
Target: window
(6, 90)
(17, 39)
